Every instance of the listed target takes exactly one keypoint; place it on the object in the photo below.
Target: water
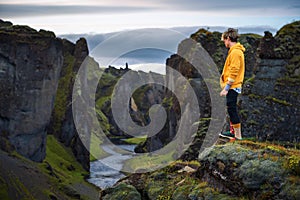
(104, 176)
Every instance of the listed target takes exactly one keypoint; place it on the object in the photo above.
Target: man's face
(226, 42)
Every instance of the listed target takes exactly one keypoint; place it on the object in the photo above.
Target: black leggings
(231, 100)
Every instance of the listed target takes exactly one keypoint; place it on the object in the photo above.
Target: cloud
(22, 10)
(233, 4)
(288, 7)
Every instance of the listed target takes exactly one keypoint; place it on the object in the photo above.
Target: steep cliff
(271, 99)
(269, 104)
(37, 76)
(62, 122)
(142, 99)
(31, 62)
(37, 72)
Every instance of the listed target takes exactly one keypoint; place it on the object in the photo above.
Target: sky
(103, 16)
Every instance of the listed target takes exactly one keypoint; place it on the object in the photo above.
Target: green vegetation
(62, 161)
(264, 167)
(293, 164)
(249, 81)
(61, 100)
(173, 182)
(279, 101)
(18, 186)
(104, 123)
(3, 190)
(140, 163)
(136, 140)
(62, 169)
(96, 152)
(253, 35)
(168, 102)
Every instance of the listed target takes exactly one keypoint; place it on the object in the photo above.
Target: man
(231, 80)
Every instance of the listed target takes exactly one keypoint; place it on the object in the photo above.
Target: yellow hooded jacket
(234, 67)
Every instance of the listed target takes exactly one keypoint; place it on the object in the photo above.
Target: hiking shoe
(227, 134)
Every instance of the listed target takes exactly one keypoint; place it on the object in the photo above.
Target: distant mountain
(94, 39)
(144, 57)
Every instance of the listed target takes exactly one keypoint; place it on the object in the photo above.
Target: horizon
(156, 62)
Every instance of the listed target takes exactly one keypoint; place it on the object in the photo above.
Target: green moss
(102, 101)
(106, 84)
(139, 164)
(279, 101)
(60, 157)
(289, 29)
(47, 33)
(96, 152)
(139, 95)
(193, 163)
(250, 81)
(289, 81)
(252, 123)
(104, 123)
(253, 35)
(3, 190)
(63, 170)
(244, 113)
(122, 191)
(293, 164)
(136, 140)
(19, 187)
(61, 100)
(169, 183)
(254, 96)
(168, 102)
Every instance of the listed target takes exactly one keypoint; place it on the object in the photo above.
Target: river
(104, 176)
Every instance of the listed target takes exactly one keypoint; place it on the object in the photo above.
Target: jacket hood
(238, 46)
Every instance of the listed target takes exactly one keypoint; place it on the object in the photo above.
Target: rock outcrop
(244, 170)
(37, 72)
(271, 99)
(31, 62)
(142, 99)
(269, 104)
(62, 122)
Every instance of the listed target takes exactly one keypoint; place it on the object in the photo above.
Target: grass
(61, 100)
(61, 160)
(96, 152)
(136, 140)
(3, 190)
(146, 162)
(65, 171)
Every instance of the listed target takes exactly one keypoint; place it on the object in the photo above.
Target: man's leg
(231, 102)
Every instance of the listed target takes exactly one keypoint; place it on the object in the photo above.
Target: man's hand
(223, 92)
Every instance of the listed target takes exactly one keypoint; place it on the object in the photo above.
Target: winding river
(104, 176)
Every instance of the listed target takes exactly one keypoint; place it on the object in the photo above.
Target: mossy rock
(257, 173)
(122, 191)
(182, 192)
(154, 190)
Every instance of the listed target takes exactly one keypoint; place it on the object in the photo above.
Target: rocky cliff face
(269, 104)
(31, 62)
(37, 76)
(271, 98)
(142, 99)
(172, 105)
(62, 122)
